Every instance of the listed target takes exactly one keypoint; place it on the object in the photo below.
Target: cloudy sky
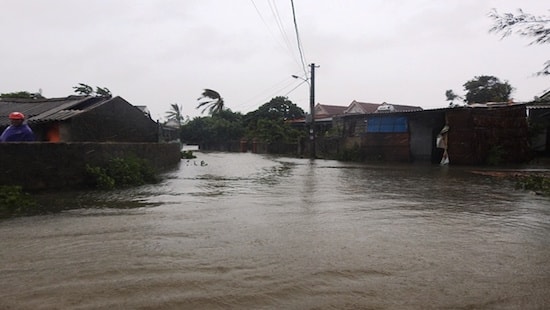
(160, 52)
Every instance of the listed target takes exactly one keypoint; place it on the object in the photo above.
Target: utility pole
(312, 152)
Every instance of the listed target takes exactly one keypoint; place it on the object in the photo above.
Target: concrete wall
(38, 165)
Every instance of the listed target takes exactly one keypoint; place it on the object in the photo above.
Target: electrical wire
(277, 17)
(293, 89)
(302, 58)
(284, 43)
(271, 92)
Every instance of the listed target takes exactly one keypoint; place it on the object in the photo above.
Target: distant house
(83, 119)
(171, 130)
(324, 115)
(352, 122)
(357, 107)
(323, 111)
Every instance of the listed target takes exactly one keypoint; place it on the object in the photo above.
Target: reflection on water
(246, 231)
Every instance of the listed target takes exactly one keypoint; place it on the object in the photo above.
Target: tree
(219, 129)
(211, 100)
(175, 113)
(87, 90)
(451, 96)
(279, 108)
(22, 95)
(274, 131)
(487, 88)
(83, 89)
(526, 25)
(269, 124)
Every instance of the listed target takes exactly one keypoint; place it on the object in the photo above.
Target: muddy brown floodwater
(246, 231)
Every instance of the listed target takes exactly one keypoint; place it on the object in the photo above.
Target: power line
(302, 59)
(285, 44)
(275, 12)
(293, 89)
(269, 93)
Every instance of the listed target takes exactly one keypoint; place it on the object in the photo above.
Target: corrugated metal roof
(538, 106)
(44, 110)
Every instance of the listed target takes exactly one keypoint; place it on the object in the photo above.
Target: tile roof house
(325, 110)
(357, 107)
(83, 119)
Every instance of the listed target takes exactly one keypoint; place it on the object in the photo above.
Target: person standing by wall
(17, 131)
(443, 143)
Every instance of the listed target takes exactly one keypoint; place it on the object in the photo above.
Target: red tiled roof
(366, 107)
(328, 110)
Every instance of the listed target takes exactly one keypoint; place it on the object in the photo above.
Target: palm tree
(214, 102)
(87, 90)
(175, 113)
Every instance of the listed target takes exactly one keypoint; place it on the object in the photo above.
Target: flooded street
(246, 231)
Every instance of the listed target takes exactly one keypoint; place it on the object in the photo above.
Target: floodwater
(246, 231)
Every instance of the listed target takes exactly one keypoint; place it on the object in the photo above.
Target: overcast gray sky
(157, 53)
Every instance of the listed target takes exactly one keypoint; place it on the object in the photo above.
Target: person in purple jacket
(17, 131)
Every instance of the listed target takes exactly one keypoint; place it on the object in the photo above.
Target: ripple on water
(259, 232)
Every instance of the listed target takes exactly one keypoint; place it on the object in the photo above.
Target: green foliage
(335, 131)
(187, 155)
(22, 95)
(99, 178)
(487, 88)
(87, 90)
(228, 115)
(274, 131)
(210, 100)
(175, 113)
(268, 124)
(525, 25)
(120, 173)
(537, 183)
(13, 201)
(451, 96)
(220, 128)
(277, 108)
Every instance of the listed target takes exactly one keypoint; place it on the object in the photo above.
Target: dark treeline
(268, 124)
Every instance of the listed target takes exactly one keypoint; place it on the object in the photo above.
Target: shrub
(187, 154)
(13, 201)
(120, 173)
(537, 183)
